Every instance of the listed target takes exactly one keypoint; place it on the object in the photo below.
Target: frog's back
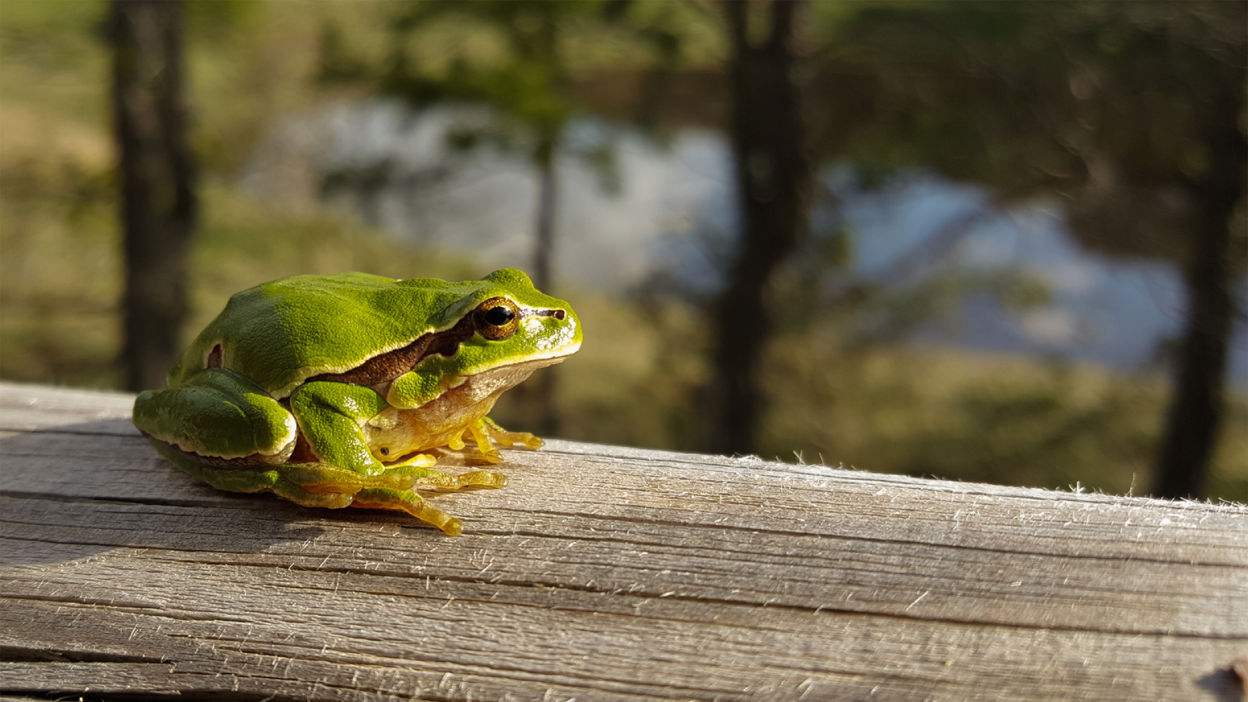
(279, 334)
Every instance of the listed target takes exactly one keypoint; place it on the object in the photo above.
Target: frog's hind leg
(219, 417)
(322, 485)
(419, 474)
(300, 495)
(408, 501)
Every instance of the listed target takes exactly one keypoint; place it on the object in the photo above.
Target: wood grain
(598, 573)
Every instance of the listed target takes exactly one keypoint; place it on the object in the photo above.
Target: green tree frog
(338, 390)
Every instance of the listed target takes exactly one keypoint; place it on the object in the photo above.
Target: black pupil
(498, 316)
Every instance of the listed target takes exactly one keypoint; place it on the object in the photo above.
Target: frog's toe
(478, 478)
(475, 456)
(410, 502)
(418, 460)
(472, 479)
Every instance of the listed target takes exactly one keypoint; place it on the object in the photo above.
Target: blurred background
(984, 241)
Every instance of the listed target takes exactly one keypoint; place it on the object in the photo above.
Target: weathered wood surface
(598, 573)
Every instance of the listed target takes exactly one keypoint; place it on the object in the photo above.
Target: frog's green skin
(333, 391)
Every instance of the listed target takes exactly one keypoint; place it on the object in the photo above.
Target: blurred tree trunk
(773, 177)
(157, 182)
(544, 386)
(544, 44)
(547, 206)
(1196, 407)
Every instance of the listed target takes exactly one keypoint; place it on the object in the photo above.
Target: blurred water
(668, 207)
(403, 175)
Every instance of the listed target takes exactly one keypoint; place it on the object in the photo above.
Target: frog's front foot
(484, 434)
(520, 439)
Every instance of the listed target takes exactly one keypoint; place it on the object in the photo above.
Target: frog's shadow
(104, 488)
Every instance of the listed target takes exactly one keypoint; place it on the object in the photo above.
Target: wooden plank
(599, 572)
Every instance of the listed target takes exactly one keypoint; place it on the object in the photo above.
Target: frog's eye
(496, 318)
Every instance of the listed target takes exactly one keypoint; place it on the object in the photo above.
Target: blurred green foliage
(1111, 107)
(867, 403)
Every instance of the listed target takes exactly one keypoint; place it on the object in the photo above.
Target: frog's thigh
(216, 413)
(330, 415)
(300, 496)
(410, 502)
(234, 480)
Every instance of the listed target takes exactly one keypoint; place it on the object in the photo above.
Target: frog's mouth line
(492, 381)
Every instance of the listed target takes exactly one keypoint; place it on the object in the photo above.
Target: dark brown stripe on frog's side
(390, 365)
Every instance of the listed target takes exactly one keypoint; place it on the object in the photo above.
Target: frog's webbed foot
(405, 479)
(484, 434)
(410, 502)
